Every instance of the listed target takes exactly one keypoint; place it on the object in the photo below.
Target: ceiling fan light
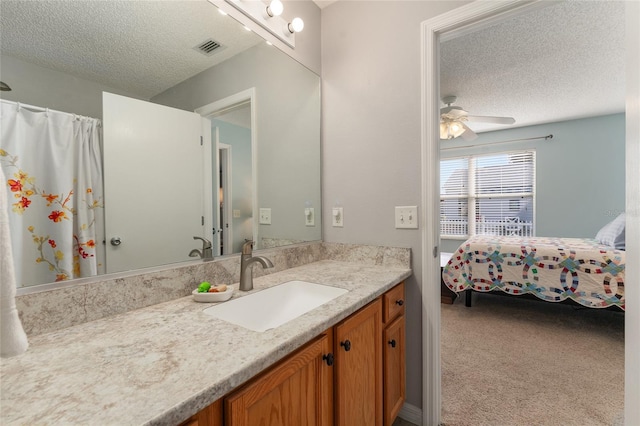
(451, 129)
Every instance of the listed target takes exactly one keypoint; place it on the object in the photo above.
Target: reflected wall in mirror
(62, 56)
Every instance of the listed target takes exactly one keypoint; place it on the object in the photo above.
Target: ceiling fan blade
(468, 134)
(487, 119)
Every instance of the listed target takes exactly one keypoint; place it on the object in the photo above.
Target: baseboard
(411, 414)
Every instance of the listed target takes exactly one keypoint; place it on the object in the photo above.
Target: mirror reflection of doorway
(229, 195)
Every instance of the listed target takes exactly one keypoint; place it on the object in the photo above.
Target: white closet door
(153, 189)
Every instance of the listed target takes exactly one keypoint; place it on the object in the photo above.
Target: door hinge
(202, 221)
(201, 140)
(435, 251)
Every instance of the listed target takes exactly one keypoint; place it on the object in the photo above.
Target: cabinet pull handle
(346, 344)
(392, 343)
(328, 358)
(400, 302)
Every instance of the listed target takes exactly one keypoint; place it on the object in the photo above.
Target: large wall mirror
(134, 130)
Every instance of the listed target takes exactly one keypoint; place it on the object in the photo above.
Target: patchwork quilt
(553, 269)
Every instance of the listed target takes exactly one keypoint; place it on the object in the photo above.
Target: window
(487, 195)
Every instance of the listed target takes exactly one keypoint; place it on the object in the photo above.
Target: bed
(552, 269)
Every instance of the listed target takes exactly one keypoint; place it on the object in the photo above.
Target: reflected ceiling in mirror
(139, 47)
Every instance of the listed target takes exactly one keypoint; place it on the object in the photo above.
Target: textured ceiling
(561, 62)
(143, 47)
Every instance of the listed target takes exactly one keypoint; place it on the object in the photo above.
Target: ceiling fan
(452, 119)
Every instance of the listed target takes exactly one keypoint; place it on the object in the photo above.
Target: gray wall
(580, 173)
(371, 134)
(44, 87)
(288, 131)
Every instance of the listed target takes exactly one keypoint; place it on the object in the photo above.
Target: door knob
(346, 345)
(392, 343)
(116, 241)
(400, 302)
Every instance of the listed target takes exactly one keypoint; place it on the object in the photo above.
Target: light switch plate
(309, 216)
(265, 216)
(407, 217)
(236, 213)
(337, 217)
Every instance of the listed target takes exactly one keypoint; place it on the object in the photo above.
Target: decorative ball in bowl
(216, 293)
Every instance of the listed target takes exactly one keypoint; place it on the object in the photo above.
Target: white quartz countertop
(163, 363)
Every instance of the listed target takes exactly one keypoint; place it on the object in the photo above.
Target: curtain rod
(34, 108)
(549, 136)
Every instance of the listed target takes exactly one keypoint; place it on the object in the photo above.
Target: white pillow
(613, 233)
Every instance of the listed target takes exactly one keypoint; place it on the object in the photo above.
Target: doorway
(470, 18)
(230, 164)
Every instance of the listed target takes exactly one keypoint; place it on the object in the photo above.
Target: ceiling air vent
(208, 47)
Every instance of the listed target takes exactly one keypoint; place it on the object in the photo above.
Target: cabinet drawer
(393, 303)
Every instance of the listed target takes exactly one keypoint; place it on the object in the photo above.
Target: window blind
(488, 195)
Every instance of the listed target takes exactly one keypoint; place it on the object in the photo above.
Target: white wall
(371, 134)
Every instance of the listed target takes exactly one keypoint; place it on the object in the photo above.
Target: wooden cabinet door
(296, 392)
(209, 416)
(394, 370)
(358, 374)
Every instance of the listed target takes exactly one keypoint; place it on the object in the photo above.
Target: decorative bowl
(213, 297)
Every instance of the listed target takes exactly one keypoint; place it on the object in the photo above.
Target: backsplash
(54, 309)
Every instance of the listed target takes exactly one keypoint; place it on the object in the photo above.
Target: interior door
(153, 188)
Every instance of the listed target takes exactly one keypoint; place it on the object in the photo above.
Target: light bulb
(275, 8)
(296, 25)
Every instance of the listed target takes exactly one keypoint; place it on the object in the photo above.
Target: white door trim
(472, 17)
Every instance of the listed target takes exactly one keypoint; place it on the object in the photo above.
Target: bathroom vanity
(352, 373)
(172, 364)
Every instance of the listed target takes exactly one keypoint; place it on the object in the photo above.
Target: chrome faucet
(206, 252)
(246, 260)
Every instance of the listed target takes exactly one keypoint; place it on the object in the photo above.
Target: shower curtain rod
(41, 109)
(547, 137)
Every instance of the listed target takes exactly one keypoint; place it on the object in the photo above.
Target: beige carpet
(510, 361)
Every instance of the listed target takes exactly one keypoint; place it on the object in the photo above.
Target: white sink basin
(274, 306)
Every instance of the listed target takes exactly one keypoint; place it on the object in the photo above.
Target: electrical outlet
(309, 216)
(265, 216)
(407, 217)
(338, 217)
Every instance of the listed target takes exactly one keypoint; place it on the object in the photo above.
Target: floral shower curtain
(53, 168)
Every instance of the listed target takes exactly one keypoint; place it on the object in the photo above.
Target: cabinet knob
(392, 343)
(400, 302)
(328, 358)
(346, 344)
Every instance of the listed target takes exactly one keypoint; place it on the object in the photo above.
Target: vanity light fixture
(296, 25)
(275, 8)
(267, 16)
